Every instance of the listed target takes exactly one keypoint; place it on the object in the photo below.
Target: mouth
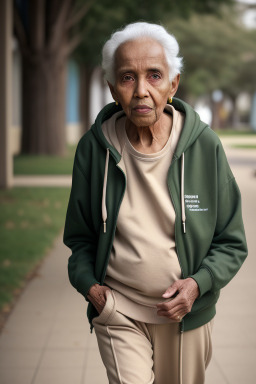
(142, 109)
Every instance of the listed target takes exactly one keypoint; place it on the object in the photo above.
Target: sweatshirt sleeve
(79, 235)
(228, 249)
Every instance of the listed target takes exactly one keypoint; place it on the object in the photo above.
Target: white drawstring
(180, 359)
(183, 214)
(103, 203)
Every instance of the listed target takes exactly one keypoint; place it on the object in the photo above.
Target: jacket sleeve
(78, 233)
(228, 249)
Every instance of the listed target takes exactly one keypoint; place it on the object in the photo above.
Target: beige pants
(139, 353)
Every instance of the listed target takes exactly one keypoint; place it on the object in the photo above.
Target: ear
(174, 85)
(112, 91)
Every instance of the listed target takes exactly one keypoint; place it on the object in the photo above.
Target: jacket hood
(193, 126)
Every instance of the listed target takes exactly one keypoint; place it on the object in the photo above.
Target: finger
(170, 292)
(98, 301)
(95, 304)
(180, 299)
(179, 309)
(99, 307)
(171, 312)
(177, 316)
(170, 304)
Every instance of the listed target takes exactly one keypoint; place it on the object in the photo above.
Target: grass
(244, 146)
(234, 132)
(56, 165)
(30, 220)
(44, 165)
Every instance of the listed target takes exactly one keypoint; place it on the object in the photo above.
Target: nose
(141, 89)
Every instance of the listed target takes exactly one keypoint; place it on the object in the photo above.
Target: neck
(150, 139)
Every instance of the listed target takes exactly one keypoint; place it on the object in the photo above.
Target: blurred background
(51, 89)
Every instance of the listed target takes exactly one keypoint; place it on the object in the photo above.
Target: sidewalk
(46, 339)
(42, 181)
(234, 335)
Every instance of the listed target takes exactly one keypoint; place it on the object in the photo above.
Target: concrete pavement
(46, 339)
(42, 181)
(234, 336)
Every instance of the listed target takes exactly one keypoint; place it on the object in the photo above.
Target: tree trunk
(234, 119)
(44, 97)
(45, 45)
(215, 109)
(85, 81)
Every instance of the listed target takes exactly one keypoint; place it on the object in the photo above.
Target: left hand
(186, 293)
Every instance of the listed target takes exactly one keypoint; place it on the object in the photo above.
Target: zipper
(113, 234)
(175, 209)
(175, 226)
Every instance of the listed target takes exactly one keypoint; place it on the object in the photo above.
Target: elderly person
(154, 218)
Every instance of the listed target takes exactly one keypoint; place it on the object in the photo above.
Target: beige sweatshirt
(143, 261)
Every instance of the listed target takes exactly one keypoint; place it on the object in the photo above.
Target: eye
(155, 76)
(127, 78)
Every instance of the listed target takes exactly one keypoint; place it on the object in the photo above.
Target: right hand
(98, 296)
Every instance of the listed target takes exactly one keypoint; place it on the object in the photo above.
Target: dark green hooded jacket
(210, 244)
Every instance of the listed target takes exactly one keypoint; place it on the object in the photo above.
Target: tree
(43, 31)
(49, 30)
(219, 53)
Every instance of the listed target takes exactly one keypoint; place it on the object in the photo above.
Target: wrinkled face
(142, 84)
